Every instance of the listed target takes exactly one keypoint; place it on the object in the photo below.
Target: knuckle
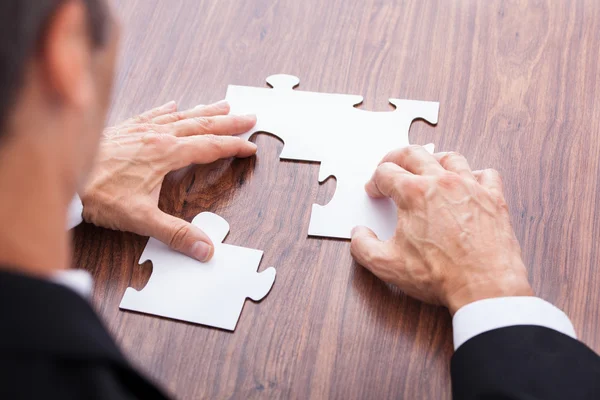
(177, 116)
(151, 139)
(450, 180)
(450, 157)
(368, 258)
(494, 173)
(454, 160)
(179, 232)
(501, 203)
(205, 124)
(159, 142)
(236, 120)
(399, 155)
(413, 147)
(408, 154)
(214, 141)
(495, 177)
(386, 168)
(385, 173)
(409, 150)
(141, 119)
(147, 127)
(412, 188)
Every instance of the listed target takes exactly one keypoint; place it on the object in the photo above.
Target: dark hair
(23, 24)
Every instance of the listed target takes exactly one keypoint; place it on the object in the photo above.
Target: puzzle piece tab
(211, 293)
(347, 141)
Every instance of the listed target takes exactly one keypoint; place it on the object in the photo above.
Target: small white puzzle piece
(211, 293)
(347, 141)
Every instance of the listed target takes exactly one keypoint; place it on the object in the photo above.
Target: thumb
(366, 248)
(180, 236)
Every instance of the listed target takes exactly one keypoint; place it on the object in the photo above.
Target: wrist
(510, 285)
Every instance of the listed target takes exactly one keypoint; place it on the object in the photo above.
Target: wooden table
(518, 83)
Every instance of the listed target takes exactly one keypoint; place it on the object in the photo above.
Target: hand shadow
(210, 187)
(424, 328)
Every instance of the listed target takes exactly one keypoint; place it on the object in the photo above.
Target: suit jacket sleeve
(525, 362)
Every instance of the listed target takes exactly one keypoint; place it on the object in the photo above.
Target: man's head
(56, 68)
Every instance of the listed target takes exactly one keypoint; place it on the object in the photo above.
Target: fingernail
(170, 104)
(199, 106)
(201, 251)
(353, 231)
(222, 103)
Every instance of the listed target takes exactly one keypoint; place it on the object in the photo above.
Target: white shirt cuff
(74, 217)
(489, 314)
(78, 280)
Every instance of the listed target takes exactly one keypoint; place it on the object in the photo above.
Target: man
(453, 246)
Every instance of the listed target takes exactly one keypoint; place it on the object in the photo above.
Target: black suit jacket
(52, 345)
(525, 362)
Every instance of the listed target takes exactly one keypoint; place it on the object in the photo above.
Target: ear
(67, 55)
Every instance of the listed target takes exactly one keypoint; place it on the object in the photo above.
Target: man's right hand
(454, 243)
(123, 189)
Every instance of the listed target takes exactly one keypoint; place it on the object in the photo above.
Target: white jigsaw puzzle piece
(211, 293)
(347, 141)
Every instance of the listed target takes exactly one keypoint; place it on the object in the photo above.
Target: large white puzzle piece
(347, 141)
(211, 293)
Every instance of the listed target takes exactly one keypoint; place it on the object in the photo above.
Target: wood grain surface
(518, 83)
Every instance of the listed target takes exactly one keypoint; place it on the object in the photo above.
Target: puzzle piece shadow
(348, 141)
(211, 293)
(247, 192)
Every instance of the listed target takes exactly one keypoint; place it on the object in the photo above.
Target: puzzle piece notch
(211, 293)
(326, 170)
(380, 215)
(315, 106)
(420, 109)
(417, 109)
(283, 81)
(348, 142)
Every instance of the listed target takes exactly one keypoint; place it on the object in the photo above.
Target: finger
(491, 180)
(366, 248)
(209, 148)
(415, 159)
(148, 116)
(217, 125)
(456, 163)
(211, 110)
(391, 180)
(383, 181)
(180, 235)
